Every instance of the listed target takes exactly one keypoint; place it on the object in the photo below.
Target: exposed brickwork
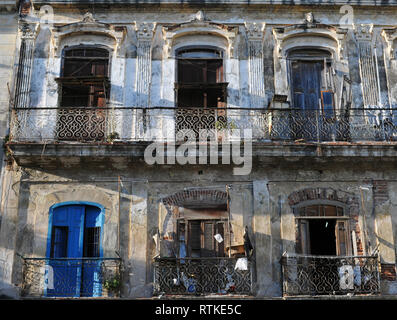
(388, 271)
(334, 195)
(381, 191)
(210, 197)
(319, 194)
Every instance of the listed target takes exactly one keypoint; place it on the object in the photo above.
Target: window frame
(203, 87)
(313, 54)
(218, 248)
(95, 81)
(302, 227)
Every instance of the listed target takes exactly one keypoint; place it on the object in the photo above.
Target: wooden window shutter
(327, 100)
(341, 234)
(194, 238)
(304, 237)
(208, 240)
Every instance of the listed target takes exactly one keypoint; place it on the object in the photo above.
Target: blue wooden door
(66, 242)
(306, 82)
(71, 244)
(306, 85)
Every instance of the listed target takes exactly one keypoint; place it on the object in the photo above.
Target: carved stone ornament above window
(311, 28)
(198, 25)
(88, 25)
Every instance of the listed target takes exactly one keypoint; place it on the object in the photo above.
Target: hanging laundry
(218, 237)
(241, 264)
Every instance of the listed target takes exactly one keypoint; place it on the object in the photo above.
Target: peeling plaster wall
(138, 82)
(8, 44)
(143, 73)
(261, 203)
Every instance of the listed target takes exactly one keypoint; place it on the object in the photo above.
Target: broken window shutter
(327, 100)
(341, 238)
(208, 239)
(181, 234)
(304, 236)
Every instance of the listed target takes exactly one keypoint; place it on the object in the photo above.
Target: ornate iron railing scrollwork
(160, 123)
(329, 275)
(201, 276)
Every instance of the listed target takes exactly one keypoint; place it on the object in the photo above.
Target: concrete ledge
(218, 2)
(121, 153)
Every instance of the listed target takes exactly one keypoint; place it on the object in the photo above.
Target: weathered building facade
(306, 207)
(8, 37)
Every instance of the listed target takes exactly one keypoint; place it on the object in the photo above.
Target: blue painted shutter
(59, 242)
(306, 81)
(67, 273)
(92, 276)
(328, 103)
(76, 233)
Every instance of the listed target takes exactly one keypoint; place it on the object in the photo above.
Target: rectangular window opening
(91, 242)
(59, 242)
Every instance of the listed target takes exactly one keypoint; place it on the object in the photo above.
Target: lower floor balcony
(305, 275)
(71, 277)
(198, 276)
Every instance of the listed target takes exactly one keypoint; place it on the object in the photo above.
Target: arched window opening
(84, 81)
(73, 249)
(200, 78)
(322, 229)
(84, 89)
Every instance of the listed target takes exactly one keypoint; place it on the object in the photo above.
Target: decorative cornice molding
(145, 30)
(255, 30)
(28, 31)
(364, 32)
(390, 35)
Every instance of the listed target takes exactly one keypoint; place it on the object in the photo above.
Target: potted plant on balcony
(112, 136)
(112, 286)
(223, 127)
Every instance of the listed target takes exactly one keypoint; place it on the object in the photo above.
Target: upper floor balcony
(127, 131)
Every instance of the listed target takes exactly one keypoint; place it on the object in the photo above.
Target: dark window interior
(200, 238)
(59, 242)
(91, 241)
(322, 237)
(200, 79)
(84, 77)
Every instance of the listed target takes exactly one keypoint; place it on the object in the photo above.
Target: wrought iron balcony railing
(201, 276)
(329, 275)
(71, 277)
(175, 124)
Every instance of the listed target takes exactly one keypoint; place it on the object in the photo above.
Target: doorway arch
(74, 249)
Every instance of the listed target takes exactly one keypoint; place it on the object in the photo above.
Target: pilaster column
(255, 63)
(368, 70)
(22, 87)
(144, 32)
